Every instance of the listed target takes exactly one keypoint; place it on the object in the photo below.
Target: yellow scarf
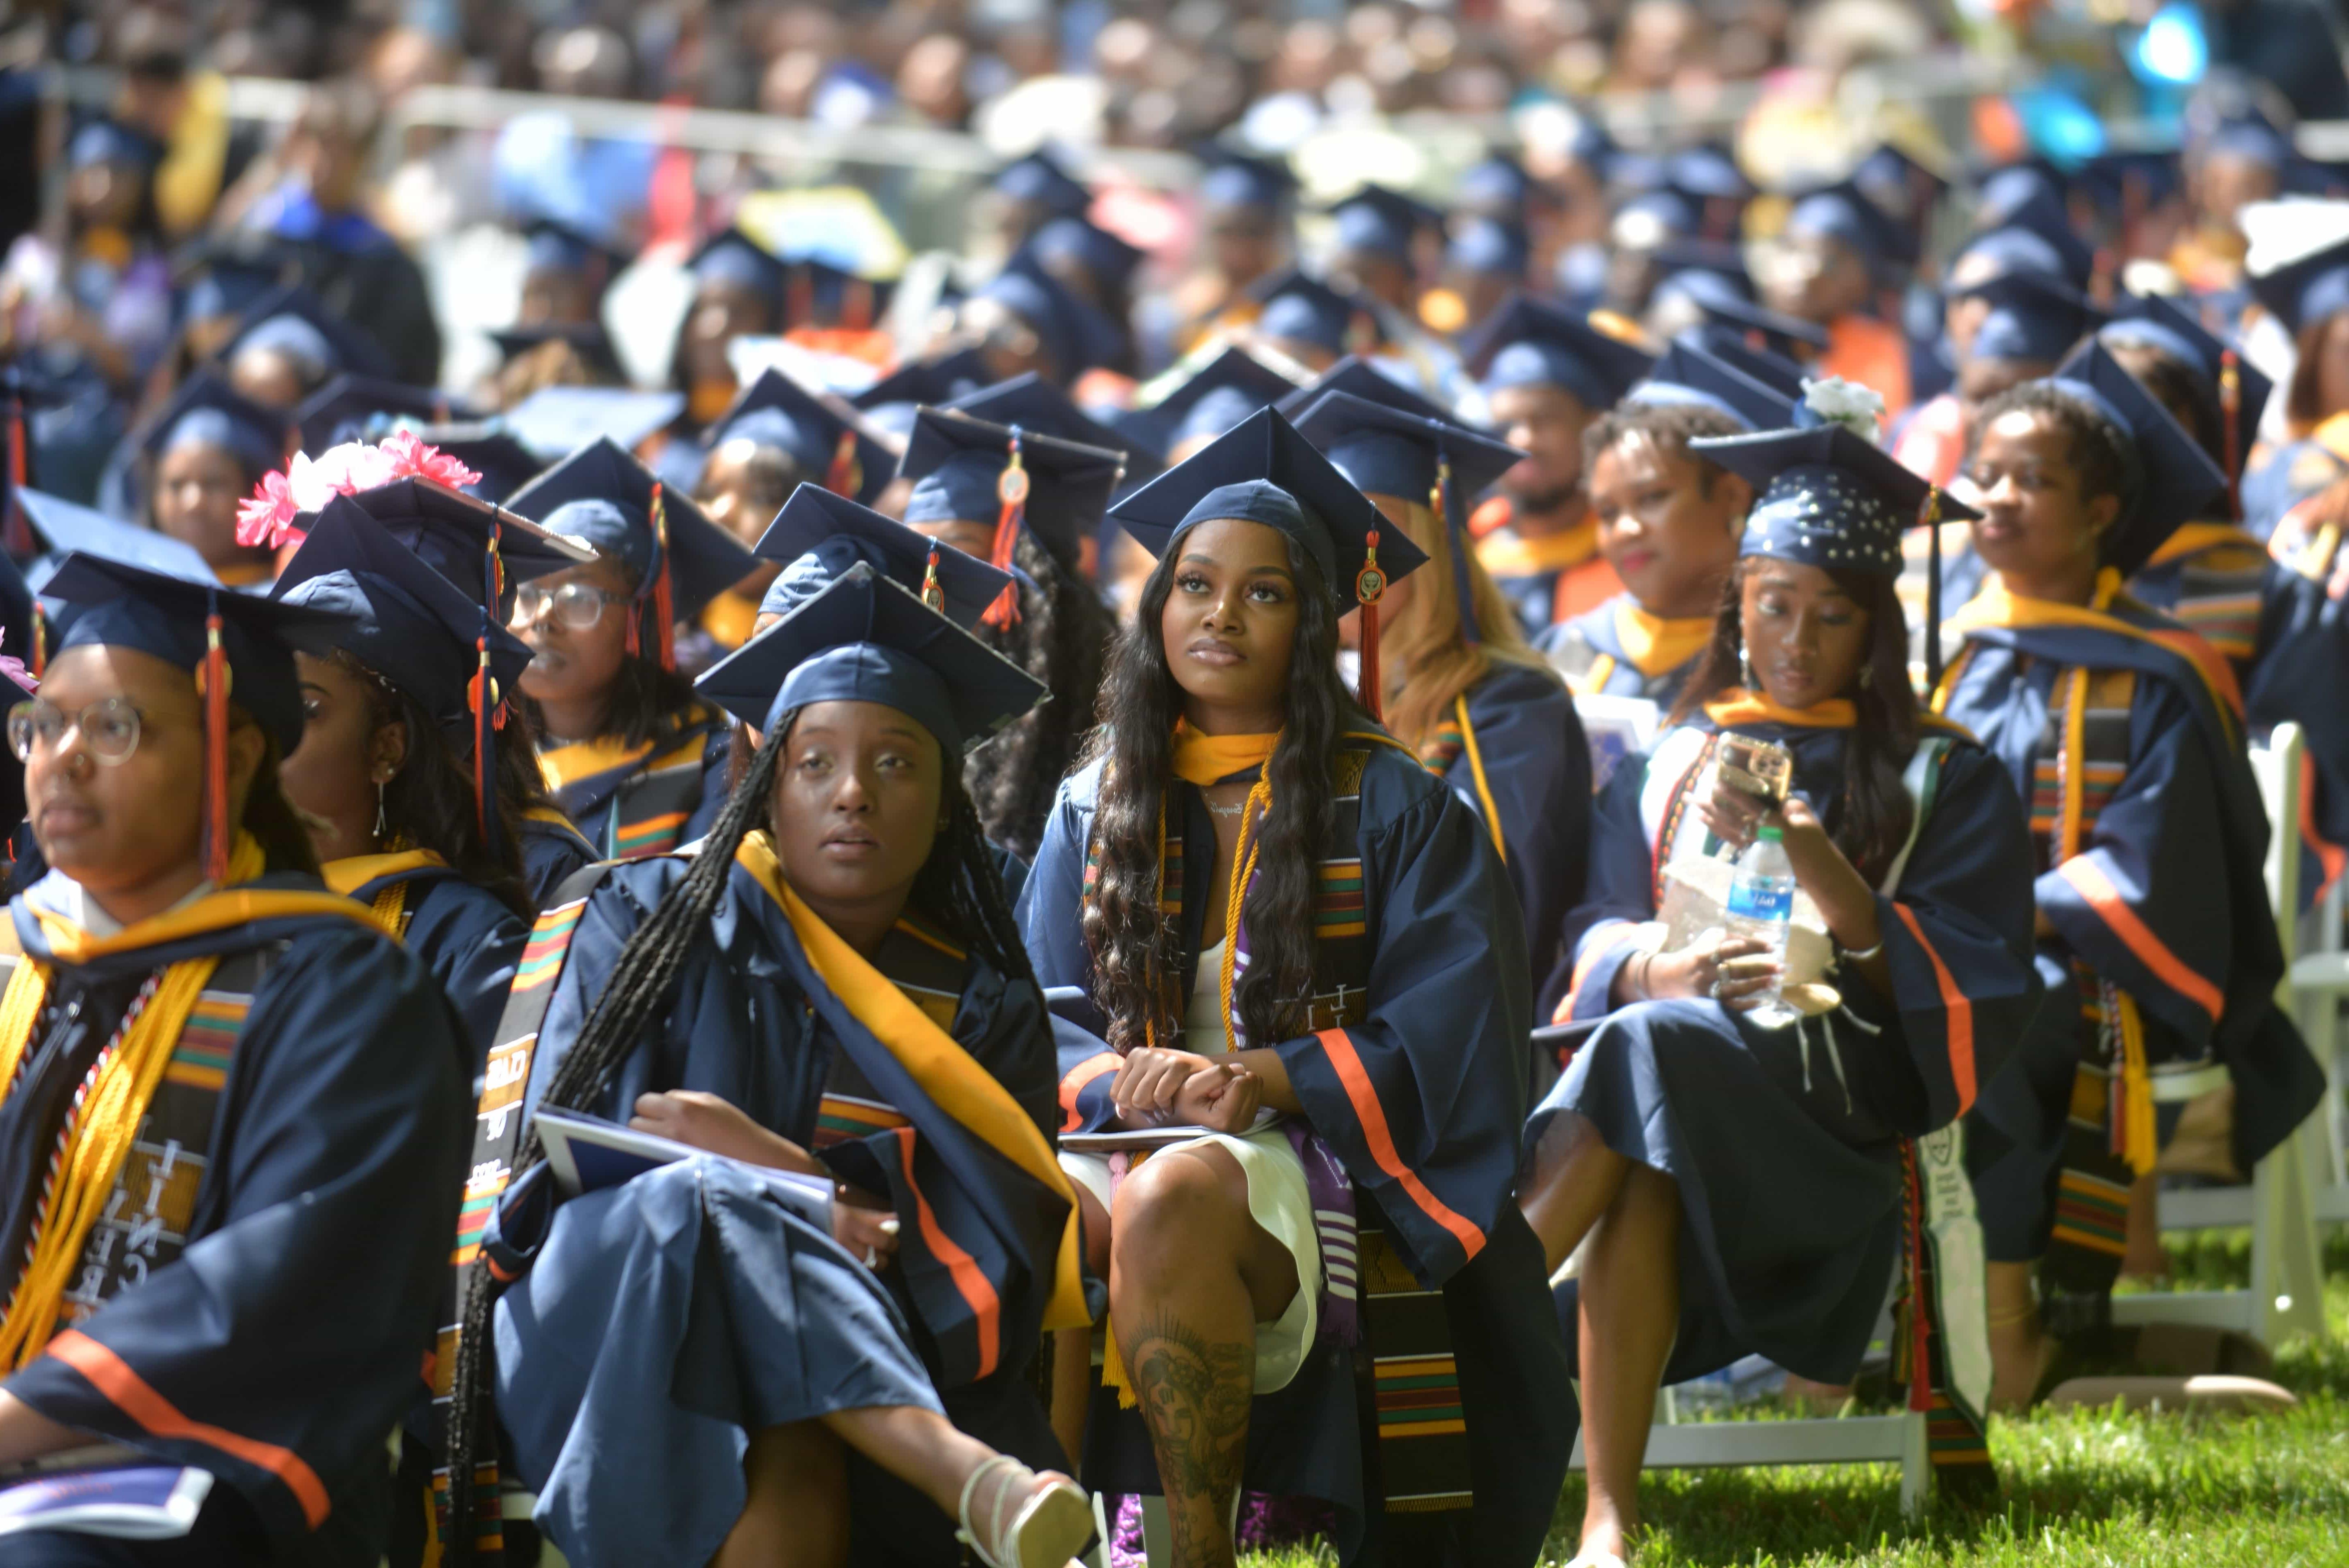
(99, 1137)
(1995, 607)
(352, 873)
(1658, 645)
(2194, 538)
(1514, 555)
(1202, 760)
(962, 1088)
(1737, 706)
(566, 763)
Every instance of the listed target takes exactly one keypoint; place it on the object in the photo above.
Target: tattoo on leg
(1195, 1395)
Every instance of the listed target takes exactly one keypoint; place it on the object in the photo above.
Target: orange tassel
(1369, 583)
(1011, 489)
(664, 611)
(2230, 405)
(214, 680)
(846, 475)
(480, 699)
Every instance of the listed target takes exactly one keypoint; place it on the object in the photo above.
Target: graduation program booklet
(102, 1491)
(588, 1154)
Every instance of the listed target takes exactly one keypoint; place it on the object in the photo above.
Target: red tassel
(479, 700)
(19, 533)
(2230, 407)
(663, 610)
(846, 475)
(214, 682)
(1369, 583)
(1011, 489)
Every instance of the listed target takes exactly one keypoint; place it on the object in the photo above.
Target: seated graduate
(1547, 375)
(397, 776)
(1740, 1181)
(1271, 905)
(2310, 298)
(1668, 523)
(1447, 666)
(1037, 406)
(488, 553)
(206, 450)
(776, 437)
(2123, 732)
(1025, 503)
(829, 984)
(633, 758)
(2304, 665)
(251, 1096)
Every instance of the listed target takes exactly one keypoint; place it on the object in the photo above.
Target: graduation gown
(2292, 472)
(2166, 958)
(1620, 650)
(464, 935)
(551, 850)
(2301, 666)
(1786, 1144)
(1544, 579)
(267, 1322)
(1417, 1087)
(775, 1013)
(630, 801)
(1528, 778)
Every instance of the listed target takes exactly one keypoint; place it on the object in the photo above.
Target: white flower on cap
(1836, 401)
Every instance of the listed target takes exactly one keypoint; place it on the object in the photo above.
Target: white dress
(1278, 1199)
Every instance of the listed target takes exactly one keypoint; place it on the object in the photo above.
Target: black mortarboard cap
(1077, 335)
(1688, 375)
(832, 444)
(63, 528)
(1783, 374)
(1220, 394)
(2032, 316)
(451, 532)
(1234, 179)
(364, 408)
(1109, 260)
(1378, 221)
(2307, 290)
(295, 322)
(603, 495)
(1529, 342)
(926, 381)
(731, 256)
(1826, 498)
(1041, 179)
(817, 536)
(1303, 309)
(1708, 172)
(1717, 297)
(558, 247)
(2180, 480)
(1843, 212)
(866, 639)
(1035, 404)
(488, 448)
(957, 463)
(557, 420)
(1358, 376)
(207, 409)
(2162, 324)
(2034, 236)
(589, 340)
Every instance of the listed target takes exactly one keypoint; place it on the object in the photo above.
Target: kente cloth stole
(143, 1221)
(2219, 595)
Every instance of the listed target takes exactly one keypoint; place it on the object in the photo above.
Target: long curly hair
(1135, 949)
(1062, 639)
(1869, 820)
(957, 887)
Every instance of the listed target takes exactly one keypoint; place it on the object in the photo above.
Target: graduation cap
(1109, 260)
(555, 246)
(1223, 392)
(1035, 404)
(1688, 375)
(2240, 388)
(1076, 334)
(488, 448)
(220, 636)
(833, 446)
(926, 381)
(1718, 299)
(2005, 190)
(818, 536)
(555, 420)
(2032, 316)
(359, 407)
(680, 559)
(866, 639)
(292, 321)
(1438, 463)
(1041, 179)
(2125, 182)
(1489, 247)
(1496, 186)
(62, 527)
(1842, 212)
(2036, 236)
(1781, 373)
(824, 293)
(207, 411)
(731, 256)
(1301, 309)
(412, 626)
(588, 340)
(1377, 220)
(1263, 471)
(2307, 290)
(485, 550)
(1235, 179)
(1652, 218)
(1529, 342)
(975, 470)
(1361, 379)
(2248, 135)
(2180, 480)
(1887, 175)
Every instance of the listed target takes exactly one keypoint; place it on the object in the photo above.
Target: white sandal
(1046, 1532)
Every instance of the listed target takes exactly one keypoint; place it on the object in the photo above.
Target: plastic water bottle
(1761, 905)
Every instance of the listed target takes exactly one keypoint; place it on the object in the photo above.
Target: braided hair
(1062, 639)
(958, 886)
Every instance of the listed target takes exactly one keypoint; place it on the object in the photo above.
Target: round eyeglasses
(109, 726)
(576, 606)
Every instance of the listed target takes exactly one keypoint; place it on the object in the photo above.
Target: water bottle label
(1752, 898)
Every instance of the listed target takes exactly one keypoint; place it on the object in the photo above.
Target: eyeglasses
(109, 726)
(576, 605)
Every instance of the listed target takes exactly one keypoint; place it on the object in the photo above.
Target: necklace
(1232, 810)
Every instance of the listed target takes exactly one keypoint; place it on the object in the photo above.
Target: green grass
(2082, 1488)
